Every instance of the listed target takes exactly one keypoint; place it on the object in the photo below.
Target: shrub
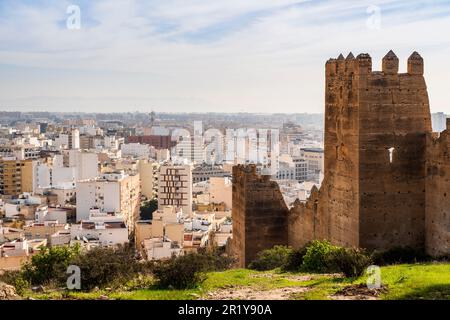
(399, 255)
(351, 262)
(188, 271)
(48, 264)
(147, 209)
(270, 259)
(21, 285)
(16, 279)
(181, 272)
(294, 261)
(101, 267)
(216, 259)
(316, 258)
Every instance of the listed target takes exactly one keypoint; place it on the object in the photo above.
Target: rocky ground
(8, 292)
(358, 292)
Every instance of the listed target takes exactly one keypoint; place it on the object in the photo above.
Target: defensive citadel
(386, 173)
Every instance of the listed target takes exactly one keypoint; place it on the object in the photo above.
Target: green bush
(49, 264)
(102, 267)
(183, 272)
(294, 261)
(270, 259)
(188, 271)
(21, 285)
(15, 278)
(351, 262)
(216, 259)
(398, 255)
(147, 209)
(316, 258)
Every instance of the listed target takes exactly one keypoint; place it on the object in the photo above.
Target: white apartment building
(136, 150)
(64, 193)
(286, 171)
(163, 236)
(20, 152)
(190, 148)
(205, 171)
(111, 142)
(439, 121)
(175, 187)
(69, 140)
(161, 248)
(79, 165)
(44, 213)
(161, 155)
(86, 163)
(314, 158)
(148, 172)
(111, 192)
(301, 170)
(103, 228)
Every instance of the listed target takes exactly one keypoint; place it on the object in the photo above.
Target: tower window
(391, 154)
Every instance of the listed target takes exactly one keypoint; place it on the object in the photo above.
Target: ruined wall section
(333, 211)
(437, 219)
(260, 215)
(394, 119)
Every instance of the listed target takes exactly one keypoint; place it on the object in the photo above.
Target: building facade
(175, 187)
(112, 193)
(16, 176)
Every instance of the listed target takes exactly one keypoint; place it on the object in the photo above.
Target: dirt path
(358, 292)
(253, 294)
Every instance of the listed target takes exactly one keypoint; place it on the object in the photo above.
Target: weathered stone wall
(259, 214)
(373, 193)
(386, 175)
(394, 120)
(437, 220)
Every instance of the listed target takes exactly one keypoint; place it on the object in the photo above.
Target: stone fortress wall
(385, 171)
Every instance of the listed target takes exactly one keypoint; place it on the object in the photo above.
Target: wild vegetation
(317, 271)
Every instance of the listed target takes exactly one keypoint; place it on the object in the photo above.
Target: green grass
(417, 281)
(404, 282)
(251, 279)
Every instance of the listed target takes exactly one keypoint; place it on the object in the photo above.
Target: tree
(48, 264)
(148, 208)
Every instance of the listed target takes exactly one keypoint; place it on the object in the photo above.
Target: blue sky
(206, 55)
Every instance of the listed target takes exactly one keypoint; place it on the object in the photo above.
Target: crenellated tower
(376, 123)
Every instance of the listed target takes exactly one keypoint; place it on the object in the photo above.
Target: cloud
(255, 55)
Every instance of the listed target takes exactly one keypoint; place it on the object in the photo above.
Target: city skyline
(197, 56)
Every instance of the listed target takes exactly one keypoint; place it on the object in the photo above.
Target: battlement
(248, 173)
(362, 64)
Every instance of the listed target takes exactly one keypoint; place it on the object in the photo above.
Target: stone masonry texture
(386, 173)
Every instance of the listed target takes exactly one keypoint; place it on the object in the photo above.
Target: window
(391, 154)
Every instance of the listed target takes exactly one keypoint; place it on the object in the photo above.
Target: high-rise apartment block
(16, 176)
(149, 172)
(175, 187)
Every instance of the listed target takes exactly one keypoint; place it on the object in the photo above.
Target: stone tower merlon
(390, 63)
(348, 65)
(415, 64)
(364, 64)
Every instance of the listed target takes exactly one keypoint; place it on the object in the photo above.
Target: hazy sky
(206, 55)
